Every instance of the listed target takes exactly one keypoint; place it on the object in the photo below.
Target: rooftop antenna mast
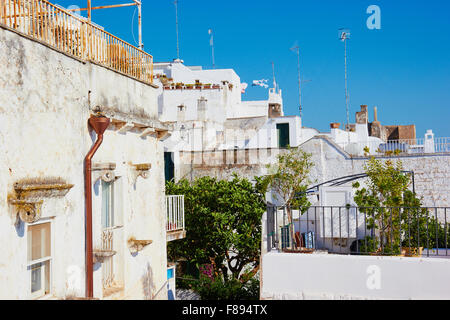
(176, 21)
(211, 43)
(137, 3)
(274, 81)
(344, 35)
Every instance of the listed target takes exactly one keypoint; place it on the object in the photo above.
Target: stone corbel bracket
(148, 131)
(125, 127)
(29, 211)
(162, 135)
(101, 255)
(29, 197)
(137, 245)
(141, 170)
(104, 171)
(36, 191)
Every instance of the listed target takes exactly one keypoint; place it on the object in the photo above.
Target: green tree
(289, 181)
(382, 200)
(223, 225)
(393, 212)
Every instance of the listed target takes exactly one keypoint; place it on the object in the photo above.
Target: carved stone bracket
(147, 131)
(141, 170)
(29, 194)
(162, 134)
(28, 211)
(101, 255)
(126, 127)
(104, 171)
(41, 190)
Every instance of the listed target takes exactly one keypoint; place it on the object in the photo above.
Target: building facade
(49, 95)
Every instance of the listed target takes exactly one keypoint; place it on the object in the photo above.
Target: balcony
(75, 36)
(175, 218)
(398, 147)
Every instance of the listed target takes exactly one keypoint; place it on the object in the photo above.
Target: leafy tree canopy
(223, 224)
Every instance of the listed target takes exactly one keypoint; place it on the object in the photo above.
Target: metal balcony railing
(404, 146)
(175, 213)
(392, 231)
(75, 36)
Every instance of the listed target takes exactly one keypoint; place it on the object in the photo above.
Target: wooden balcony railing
(75, 36)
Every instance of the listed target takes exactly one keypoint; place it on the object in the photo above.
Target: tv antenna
(176, 22)
(274, 81)
(344, 35)
(137, 3)
(211, 43)
(296, 49)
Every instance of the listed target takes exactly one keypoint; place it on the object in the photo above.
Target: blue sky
(403, 69)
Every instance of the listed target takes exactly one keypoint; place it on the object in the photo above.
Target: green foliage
(289, 180)
(217, 289)
(393, 213)
(290, 177)
(223, 224)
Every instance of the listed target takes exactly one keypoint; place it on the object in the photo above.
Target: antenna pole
(139, 5)
(211, 42)
(297, 50)
(344, 35)
(299, 82)
(176, 21)
(274, 81)
(346, 87)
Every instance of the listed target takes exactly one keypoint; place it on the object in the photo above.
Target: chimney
(202, 104)
(375, 114)
(335, 125)
(181, 113)
(362, 116)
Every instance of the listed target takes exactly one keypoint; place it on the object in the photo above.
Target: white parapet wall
(288, 276)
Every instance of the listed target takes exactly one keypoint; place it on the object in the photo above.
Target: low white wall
(338, 277)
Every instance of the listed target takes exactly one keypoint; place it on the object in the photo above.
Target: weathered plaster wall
(288, 276)
(45, 101)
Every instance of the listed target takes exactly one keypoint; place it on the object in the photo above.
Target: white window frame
(41, 293)
(116, 222)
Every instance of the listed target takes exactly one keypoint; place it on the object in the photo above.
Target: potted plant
(207, 86)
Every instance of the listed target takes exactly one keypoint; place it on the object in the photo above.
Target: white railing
(107, 266)
(403, 146)
(175, 213)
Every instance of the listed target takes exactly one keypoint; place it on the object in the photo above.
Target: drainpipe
(99, 124)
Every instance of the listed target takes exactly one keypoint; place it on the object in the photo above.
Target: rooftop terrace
(75, 36)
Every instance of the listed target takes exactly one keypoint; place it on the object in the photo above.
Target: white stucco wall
(45, 102)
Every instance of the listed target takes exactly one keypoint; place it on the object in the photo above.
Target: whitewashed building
(82, 204)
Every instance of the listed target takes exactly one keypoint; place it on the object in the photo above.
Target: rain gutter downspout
(99, 124)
